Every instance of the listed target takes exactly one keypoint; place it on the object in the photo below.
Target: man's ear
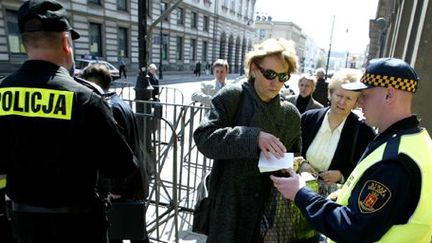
(391, 92)
(66, 43)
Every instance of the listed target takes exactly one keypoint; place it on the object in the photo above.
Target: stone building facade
(403, 29)
(195, 30)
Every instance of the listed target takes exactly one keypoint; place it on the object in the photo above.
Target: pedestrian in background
(245, 120)
(321, 91)
(55, 134)
(154, 81)
(220, 72)
(387, 197)
(122, 68)
(198, 69)
(136, 186)
(304, 100)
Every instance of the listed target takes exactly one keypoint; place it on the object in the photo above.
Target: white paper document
(273, 164)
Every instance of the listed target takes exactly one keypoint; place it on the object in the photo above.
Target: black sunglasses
(270, 74)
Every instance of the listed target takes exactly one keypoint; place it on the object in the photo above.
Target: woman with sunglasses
(245, 120)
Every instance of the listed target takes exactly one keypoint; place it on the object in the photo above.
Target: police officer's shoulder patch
(373, 197)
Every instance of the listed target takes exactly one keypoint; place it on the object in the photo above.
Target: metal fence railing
(167, 129)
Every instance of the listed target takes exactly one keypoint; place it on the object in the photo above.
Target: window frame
(14, 41)
(194, 20)
(125, 35)
(99, 53)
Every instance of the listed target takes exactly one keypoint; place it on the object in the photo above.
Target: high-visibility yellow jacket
(418, 147)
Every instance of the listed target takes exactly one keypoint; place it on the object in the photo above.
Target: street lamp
(161, 43)
(383, 32)
(248, 22)
(329, 50)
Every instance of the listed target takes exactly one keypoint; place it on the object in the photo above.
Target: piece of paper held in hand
(273, 164)
(307, 176)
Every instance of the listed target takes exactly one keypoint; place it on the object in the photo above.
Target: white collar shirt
(322, 149)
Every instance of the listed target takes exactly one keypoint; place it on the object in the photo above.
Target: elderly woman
(304, 101)
(334, 138)
(244, 120)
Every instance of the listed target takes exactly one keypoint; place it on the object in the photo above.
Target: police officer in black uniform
(55, 134)
(388, 195)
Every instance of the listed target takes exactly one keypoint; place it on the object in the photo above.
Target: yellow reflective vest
(418, 229)
(2, 181)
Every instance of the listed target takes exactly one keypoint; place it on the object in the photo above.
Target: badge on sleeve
(373, 197)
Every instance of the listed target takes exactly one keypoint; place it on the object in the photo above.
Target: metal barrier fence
(167, 128)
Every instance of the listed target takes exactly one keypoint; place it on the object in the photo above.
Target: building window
(95, 38)
(232, 5)
(179, 48)
(123, 42)
(180, 16)
(165, 47)
(98, 2)
(206, 23)
(14, 37)
(122, 5)
(240, 7)
(164, 7)
(193, 49)
(205, 49)
(194, 23)
(225, 3)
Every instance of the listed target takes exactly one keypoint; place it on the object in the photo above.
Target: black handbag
(201, 212)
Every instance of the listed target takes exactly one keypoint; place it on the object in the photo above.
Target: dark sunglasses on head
(270, 74)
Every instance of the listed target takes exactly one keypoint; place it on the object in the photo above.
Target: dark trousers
(122, 70)
(6, 231)
(60, 227)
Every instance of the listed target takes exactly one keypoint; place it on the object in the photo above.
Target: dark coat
(229, 136)
(135, 186)
(321, 92)
(154, 81)
(347, 153)
(312, 104)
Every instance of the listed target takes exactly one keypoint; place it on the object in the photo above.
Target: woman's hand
(331, 176)
(306, 167)
(270, 144)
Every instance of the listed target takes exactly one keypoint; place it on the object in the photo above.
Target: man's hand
(288, 186)
(270, 144)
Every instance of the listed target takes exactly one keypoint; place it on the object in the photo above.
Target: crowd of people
(71, 146)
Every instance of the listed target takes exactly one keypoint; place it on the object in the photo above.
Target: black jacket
(348, 152)
(135, 186)
(52, 160)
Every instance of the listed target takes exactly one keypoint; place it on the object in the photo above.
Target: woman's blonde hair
(278, 47)
(309, 78)
(343, 76)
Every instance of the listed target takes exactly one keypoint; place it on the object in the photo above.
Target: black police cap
(49, 15)
(387, 72)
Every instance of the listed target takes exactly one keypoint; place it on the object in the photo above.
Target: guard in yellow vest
(387, 198)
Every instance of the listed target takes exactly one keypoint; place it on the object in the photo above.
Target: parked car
(80, 64)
